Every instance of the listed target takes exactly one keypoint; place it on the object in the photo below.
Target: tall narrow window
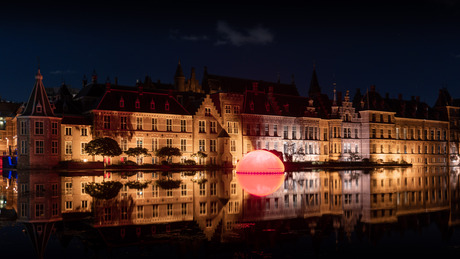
(124, 122)
(39, 147)
(201, 126)
(168, 124)
(183, 145)
(167, 106)
(68, 147)
(106, 120)
(139, 123)
(122, 103)
(39, 128)
(154, 124)
(54, 147)
(183, 125)
(152, 105)
(54, 128)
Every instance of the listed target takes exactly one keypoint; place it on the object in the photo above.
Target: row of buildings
(226, 117)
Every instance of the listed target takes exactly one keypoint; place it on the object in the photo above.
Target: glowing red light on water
(260, 172)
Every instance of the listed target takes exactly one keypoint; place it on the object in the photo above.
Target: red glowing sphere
(260, 172)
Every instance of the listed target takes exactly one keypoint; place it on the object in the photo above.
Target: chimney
(417, 98)
(140, 88)
(94, 77)
(107, 85)
(116, 81)
(372, 88)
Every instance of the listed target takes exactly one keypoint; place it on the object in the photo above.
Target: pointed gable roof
(179, 71)
(314, 89)
(38, 98)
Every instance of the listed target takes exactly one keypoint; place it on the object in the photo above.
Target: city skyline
(408, 48)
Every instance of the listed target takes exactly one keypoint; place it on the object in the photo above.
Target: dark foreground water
(393, 212)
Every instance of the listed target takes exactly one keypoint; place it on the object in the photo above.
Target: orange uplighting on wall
(260, 172)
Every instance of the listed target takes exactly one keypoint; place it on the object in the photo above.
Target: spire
(314, 85)
(179, 78)
(334, 101)
(38, 103)
(179, 71)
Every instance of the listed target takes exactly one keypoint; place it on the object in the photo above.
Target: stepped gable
(113, 98)
(192, 101)
(38, 103)
(239, 85)
(216, 100)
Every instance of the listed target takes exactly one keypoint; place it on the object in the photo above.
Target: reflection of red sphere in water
(260, 172)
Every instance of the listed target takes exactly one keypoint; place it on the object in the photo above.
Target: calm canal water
(383, 212)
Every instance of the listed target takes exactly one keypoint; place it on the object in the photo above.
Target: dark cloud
(254, 35)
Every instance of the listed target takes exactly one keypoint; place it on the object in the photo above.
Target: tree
(168, 152)
(104, 147)
(104, 190)
(137, 152)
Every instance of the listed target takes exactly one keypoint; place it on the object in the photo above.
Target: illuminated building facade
(226, 117)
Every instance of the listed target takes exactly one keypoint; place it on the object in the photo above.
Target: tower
(38, 131)
(179, 78)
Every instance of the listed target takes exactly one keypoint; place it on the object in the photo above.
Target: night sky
(407, 47)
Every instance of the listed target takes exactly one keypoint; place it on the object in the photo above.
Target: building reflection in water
(209, 206)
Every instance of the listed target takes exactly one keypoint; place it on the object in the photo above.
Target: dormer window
(167, 106)
(251, 106)
(138, 104)
(267, 106)
(38, 108)
(122, 102)
(152, 105)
